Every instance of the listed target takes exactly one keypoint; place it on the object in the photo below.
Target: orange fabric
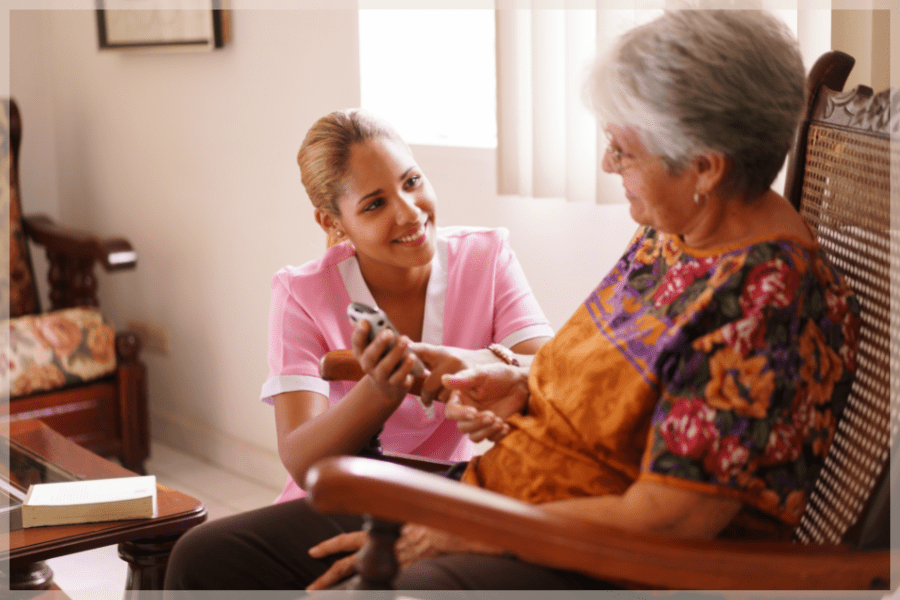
(550, 453)
(722, 373)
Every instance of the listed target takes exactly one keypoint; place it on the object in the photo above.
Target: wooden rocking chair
(843, 173)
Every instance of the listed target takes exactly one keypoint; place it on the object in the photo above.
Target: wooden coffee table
(144, 544)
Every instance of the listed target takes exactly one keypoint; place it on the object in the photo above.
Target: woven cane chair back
(845, 195)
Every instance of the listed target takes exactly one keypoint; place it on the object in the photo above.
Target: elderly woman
(695, 392)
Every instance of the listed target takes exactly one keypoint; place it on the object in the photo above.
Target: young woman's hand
(440, 361)
(390, 370)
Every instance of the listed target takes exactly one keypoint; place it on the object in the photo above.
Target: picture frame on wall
(163, 25)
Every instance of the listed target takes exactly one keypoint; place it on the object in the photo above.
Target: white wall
(192, 156)
(866, 35)
(565, 248)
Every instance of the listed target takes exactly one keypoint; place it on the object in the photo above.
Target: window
(431, 73)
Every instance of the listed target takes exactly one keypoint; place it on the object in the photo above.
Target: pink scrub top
(477, 295)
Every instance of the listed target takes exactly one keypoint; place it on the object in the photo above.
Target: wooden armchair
(107, 415)
(842, 183)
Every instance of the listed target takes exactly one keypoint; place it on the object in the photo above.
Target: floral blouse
(723, 371)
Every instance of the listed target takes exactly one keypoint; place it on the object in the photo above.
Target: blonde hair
(325, 152)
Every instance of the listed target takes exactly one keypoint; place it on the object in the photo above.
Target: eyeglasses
(617, 159)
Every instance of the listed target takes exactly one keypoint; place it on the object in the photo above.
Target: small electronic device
(357, 311)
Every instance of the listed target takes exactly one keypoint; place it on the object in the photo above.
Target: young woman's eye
(373, 204)
(413, 181)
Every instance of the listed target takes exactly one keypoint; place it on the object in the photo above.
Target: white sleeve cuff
(293, 383)
(527, 333)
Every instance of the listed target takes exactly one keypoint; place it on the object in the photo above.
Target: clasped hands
(479, 395)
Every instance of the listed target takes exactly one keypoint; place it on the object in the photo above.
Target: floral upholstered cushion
(56, 349)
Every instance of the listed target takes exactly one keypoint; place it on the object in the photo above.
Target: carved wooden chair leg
(377, 566)
(132, 393)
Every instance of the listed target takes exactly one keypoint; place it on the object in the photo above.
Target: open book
(90, 501)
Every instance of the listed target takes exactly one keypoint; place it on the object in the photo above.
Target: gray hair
(695, 81)
(325, 152)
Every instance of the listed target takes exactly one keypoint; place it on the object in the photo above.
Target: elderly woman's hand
(415, 543)
(479, 425)
(343, 567)
(418, 542)
(483, 398)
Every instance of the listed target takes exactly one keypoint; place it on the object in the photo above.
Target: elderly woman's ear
(711, 169)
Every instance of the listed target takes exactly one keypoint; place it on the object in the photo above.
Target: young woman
(459, 287)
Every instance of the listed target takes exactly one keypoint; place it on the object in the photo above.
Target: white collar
(435, 295)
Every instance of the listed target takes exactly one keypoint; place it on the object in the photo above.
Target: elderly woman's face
(658, 198)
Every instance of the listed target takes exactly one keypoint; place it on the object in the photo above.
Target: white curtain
(549, 145)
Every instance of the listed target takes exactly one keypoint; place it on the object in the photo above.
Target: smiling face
(657, 197)
(387, 208)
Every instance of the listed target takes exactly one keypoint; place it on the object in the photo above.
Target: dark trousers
(267, 549)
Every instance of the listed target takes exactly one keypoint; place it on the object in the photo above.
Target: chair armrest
(114, 253)
(399, 494)
(340, 365)
(128, 347)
